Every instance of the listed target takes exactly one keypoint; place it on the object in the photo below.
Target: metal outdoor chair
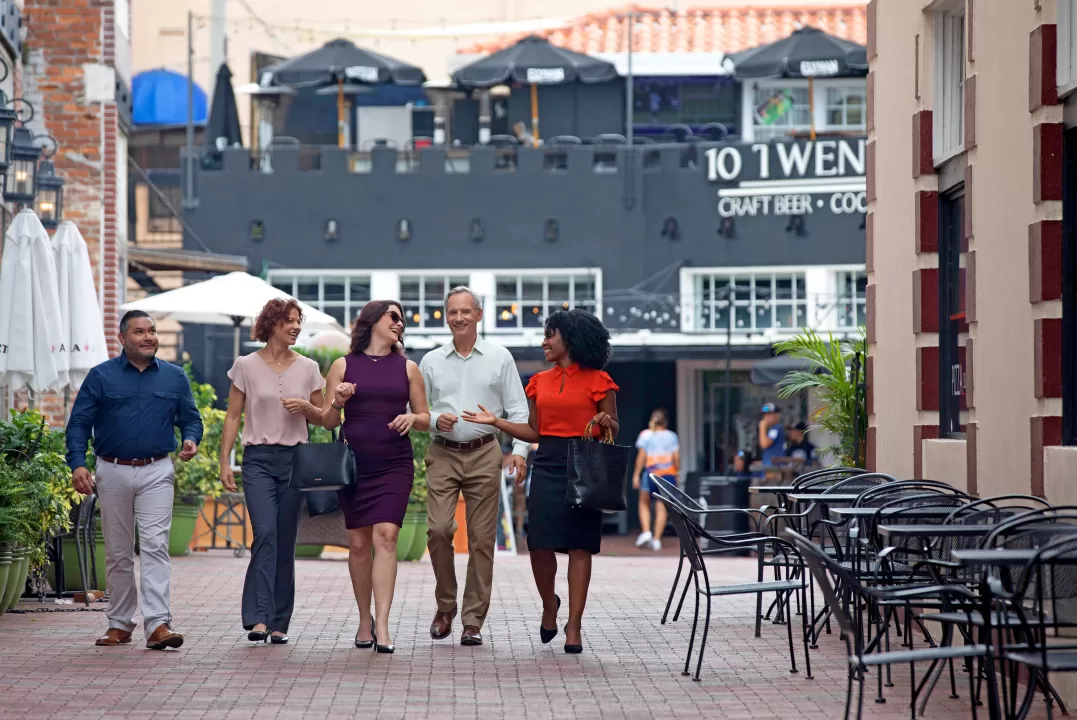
(699, 512)
(690, 533)
(823, 568)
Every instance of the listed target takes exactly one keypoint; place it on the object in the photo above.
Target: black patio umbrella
(533, 61)
(223, 126)
(339, 62)
(806, 53)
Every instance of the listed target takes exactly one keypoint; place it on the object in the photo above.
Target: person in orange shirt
(562, 401)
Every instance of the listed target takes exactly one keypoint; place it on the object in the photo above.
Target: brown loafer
(471, 636)
(442, 625)
(114, 636)
(164, 637)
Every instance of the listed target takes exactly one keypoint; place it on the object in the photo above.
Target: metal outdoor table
(929, 530)
(825, 498)
(776, 489)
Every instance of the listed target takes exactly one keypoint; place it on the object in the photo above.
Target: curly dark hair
(369, 316)
(275, 312)
(585, 337)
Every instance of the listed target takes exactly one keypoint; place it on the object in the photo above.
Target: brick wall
(69, 78)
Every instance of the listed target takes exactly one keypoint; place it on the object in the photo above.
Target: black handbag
(322, 502)
(598, 472)
(322, 466)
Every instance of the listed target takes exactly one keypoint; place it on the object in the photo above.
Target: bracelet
(335, 406)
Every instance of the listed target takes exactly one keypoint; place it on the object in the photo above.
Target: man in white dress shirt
(465, 457)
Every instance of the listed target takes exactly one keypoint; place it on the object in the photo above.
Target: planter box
(411, 543)
(309, 551)
(72, 578)
(184, 519)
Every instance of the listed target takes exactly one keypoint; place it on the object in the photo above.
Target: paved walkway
(630, 668)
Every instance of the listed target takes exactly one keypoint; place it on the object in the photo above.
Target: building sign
(818, 68)
(800, 177)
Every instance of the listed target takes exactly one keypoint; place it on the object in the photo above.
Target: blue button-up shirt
(132, 413)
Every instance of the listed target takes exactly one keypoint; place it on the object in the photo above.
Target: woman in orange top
(563, 400)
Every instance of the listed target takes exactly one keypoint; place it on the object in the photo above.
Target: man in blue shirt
(132, 404)
(771, 435)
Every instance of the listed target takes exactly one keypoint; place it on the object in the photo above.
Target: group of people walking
(464, 393)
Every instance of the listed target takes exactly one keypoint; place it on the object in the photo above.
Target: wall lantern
(477, 231)
(795, 225)
(403, 230)
(22, 172)
(258, 231)
(670, 229)
(552, 231)
(332, 230)
(7, 126)
(727, 228)
(49, 201)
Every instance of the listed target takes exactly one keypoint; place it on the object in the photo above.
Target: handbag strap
(607, 433)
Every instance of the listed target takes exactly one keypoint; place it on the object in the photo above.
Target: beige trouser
(478, 475)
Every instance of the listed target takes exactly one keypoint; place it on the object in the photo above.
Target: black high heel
(364, 644)
(278, 639)
(572, 649)
(547, 635)
(261, 636)
(384, 649)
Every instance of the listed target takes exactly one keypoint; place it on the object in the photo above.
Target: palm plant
(842, 406)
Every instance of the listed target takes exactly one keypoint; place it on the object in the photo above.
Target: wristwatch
(335, 406)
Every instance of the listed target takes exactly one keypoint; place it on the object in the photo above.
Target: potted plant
(36, 497)
(200, 476)
(411, 544)
(843, 407)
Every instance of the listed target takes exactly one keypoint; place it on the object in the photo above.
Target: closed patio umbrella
(234, 299)
(533, 61)
(223, 126)
(340, 62)
(82, 332)
(806, 53)
(30, 324)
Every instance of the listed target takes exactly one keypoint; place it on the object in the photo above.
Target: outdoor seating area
(965, 591)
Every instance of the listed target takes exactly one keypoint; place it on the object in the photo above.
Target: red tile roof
(708, 30)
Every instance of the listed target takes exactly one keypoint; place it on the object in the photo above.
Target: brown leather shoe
(114, 636)
(471, 636)
(163, 638)
(442, 625)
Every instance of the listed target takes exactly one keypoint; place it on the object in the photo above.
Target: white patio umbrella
(82, 335)
(29, 310)
(233, 299)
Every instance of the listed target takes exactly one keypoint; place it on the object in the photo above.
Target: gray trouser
(127, 495)
(269, 588)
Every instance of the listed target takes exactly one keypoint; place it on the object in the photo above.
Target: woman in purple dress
(374, 385)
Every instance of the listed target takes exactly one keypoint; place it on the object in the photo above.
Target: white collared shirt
(486, 377)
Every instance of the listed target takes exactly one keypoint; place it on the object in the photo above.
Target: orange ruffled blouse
(566, 399)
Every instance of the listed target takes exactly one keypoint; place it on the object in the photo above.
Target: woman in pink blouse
(277, 391)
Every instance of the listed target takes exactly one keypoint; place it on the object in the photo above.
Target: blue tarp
(159, 97)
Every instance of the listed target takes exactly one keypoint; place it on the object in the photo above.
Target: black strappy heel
(364, 644)
(261, 636)
(383, 649)
(547, 635)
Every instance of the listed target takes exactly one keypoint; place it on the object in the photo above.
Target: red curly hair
(275, 312)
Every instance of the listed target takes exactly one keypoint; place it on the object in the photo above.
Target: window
(341, 295)
(760, 302)
(845, 108)
(1067, 46)
(852, 299)
(779, 111)
(949, 110)
(163, 210)
(688, 100)
(423, 298)
(1069, 287)
(525, 301)
(951, 312)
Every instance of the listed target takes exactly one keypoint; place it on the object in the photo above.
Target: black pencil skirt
(552, 524)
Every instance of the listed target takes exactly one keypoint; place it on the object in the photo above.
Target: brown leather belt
(470, 446)
(140, 462)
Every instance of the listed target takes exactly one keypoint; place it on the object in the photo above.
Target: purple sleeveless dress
(385, 469)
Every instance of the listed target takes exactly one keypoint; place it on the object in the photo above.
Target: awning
(143, 258)
(773, 370)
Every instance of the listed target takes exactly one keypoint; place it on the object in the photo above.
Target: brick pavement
(630, 667)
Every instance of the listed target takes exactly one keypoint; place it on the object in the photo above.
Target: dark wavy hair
(275, 312)
(585, 337)
(369, 316)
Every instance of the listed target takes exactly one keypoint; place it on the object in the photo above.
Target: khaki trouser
(478, 475)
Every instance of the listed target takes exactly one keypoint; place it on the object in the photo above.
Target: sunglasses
(395, 317)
